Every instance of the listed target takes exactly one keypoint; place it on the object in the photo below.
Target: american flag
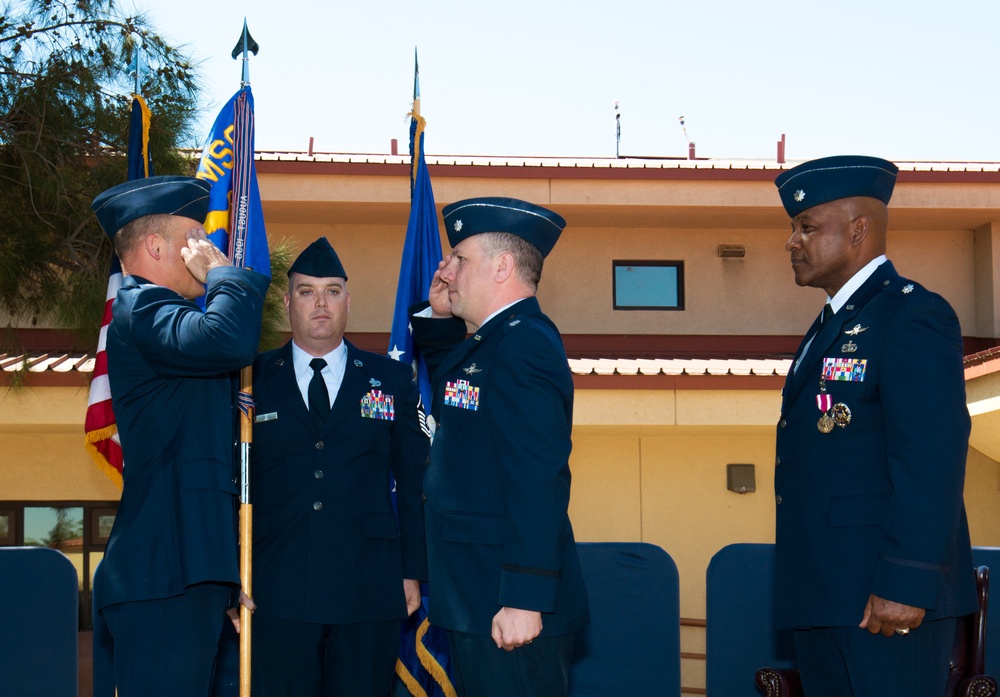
(100, 426)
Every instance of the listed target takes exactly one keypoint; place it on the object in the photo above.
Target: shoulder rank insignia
(908, 288)
(857, 329)
(375, 383)
(472, 370)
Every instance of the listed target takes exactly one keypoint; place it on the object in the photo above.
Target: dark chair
(968, 655)
(632, 645)
(39, 608)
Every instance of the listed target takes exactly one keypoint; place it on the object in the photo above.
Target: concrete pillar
(986, 268)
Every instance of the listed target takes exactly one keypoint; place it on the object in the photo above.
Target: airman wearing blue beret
(505, 580)
(873, 555)
(170, 570)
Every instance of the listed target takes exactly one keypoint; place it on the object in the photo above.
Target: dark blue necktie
(319, 397)
(827, 313)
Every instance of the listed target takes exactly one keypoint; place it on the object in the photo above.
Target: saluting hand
(200, 255)
(438, 293)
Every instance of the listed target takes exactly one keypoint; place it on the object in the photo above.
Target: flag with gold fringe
(422, 666)
(100, 426)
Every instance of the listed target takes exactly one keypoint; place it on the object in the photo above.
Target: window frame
(676, 264)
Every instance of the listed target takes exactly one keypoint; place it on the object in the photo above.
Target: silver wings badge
(856, 330)
(472, 369)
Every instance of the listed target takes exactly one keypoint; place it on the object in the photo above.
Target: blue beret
(169, 195)
(539, 226)
(831, 178)
(319, 260)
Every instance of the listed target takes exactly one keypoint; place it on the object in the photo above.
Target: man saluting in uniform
(873, 555)
(170, 569)
(505, 579)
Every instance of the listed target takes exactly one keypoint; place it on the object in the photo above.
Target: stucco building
(666, 398)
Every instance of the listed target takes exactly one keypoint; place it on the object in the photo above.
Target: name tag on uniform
(376, 405)
(260, 418)
(845, 369)
(462, 395)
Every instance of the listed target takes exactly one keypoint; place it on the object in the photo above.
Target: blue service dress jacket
(875, 506)
(498, 484)
(327, 546)
(171, 368)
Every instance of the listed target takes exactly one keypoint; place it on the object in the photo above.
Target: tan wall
(669, 489)
(648, 466)
(42, 456)
(754, 295)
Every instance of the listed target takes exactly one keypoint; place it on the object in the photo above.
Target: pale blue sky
(902, 79)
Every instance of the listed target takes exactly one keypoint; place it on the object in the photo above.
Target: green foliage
(282, 256)
(65, 95)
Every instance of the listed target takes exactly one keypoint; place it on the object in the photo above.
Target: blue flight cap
(539, 226)
(831, 178)
(319, 260)
(167, 195)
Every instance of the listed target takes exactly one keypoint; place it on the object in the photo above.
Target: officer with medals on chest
(873, 555)
(334, 572)
(505, 580)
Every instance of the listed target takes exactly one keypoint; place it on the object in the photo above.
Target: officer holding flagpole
(170, 568)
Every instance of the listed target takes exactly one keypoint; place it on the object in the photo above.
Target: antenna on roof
(618, 129)
(690, 144)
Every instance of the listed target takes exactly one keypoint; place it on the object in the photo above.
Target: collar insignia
(358, 363)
